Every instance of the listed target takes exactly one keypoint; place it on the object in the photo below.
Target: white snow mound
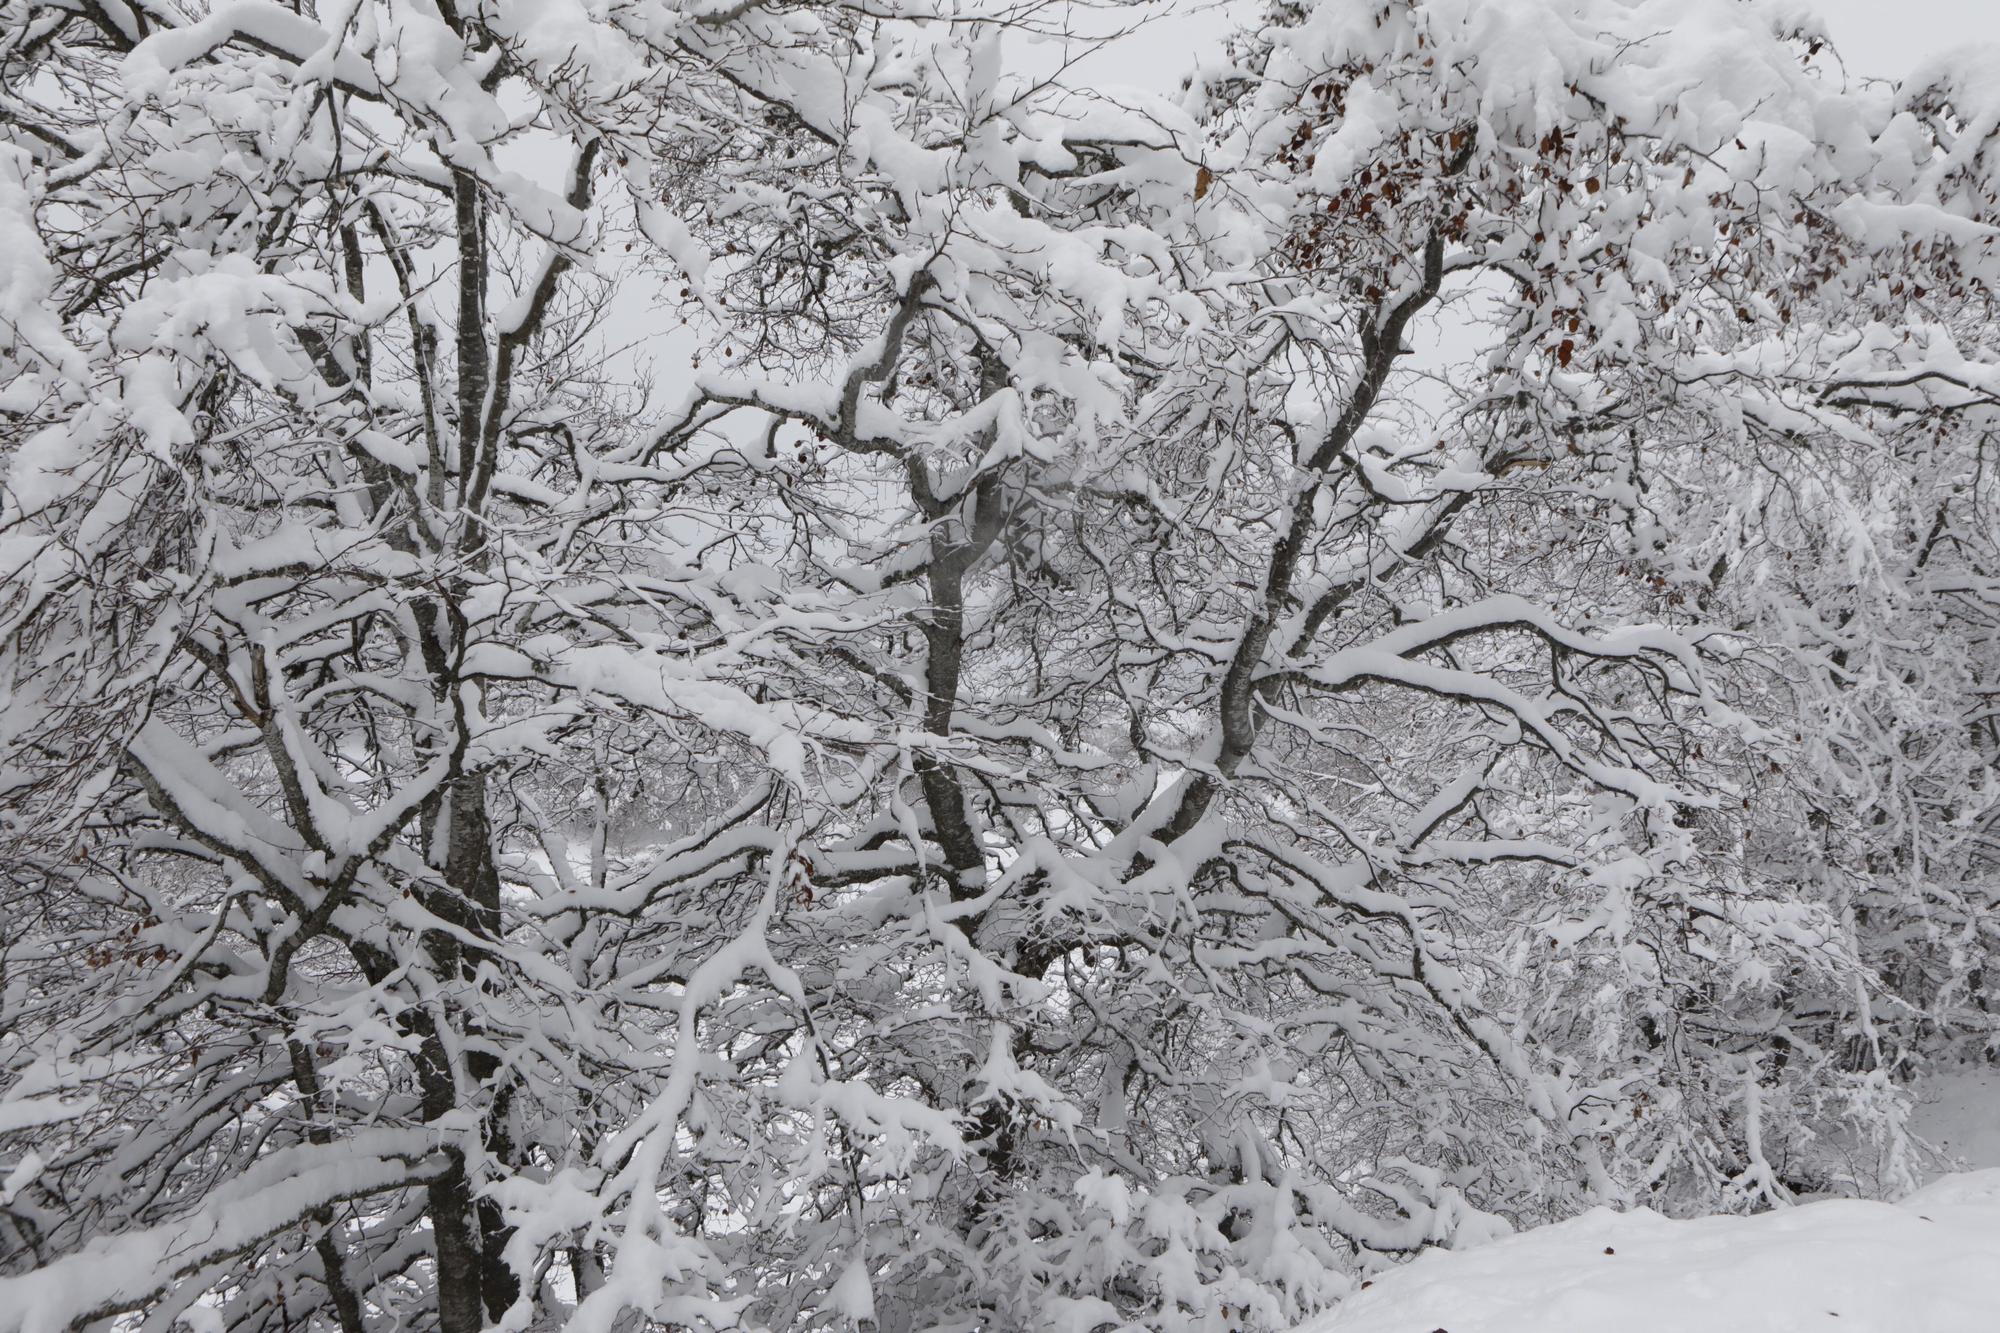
(1930, 1264)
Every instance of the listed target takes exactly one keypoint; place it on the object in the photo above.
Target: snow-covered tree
(1166, 699)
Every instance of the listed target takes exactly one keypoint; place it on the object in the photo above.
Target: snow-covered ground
(1959, 1111)
(1930, 1264)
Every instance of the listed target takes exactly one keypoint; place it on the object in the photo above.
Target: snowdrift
(1930, 1264)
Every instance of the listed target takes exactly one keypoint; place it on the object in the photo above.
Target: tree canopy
(693, 664)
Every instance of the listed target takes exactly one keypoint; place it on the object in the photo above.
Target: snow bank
(1930, 1264)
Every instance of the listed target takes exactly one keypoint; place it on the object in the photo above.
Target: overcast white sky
(1889, 36)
